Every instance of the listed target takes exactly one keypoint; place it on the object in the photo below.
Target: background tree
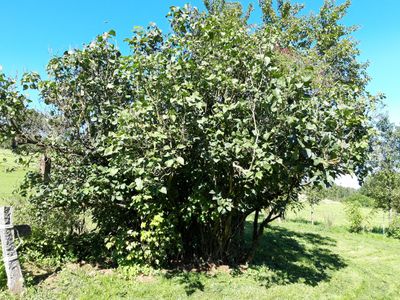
(361, 199)
(384, 182)
(338, 193)
(386, 145)
(173, 147)
(384, 187)
(314, 196)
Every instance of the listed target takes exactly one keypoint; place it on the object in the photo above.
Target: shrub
(394, 228)
(171, 148)
(57, 235)
(355, 217)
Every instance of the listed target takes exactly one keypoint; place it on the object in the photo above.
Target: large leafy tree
(172, 147)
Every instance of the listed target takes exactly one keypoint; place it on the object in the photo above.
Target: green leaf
(108, 151)
(299, 85)
(113, 171)
(169, 163)
(180, 160)
(139, 184)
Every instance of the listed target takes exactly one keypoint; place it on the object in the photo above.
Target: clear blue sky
(33, 31)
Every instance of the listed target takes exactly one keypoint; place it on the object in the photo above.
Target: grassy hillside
(11, 175)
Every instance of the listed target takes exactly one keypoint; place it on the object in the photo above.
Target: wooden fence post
(15, 281)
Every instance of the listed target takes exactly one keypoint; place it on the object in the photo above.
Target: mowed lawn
(333, 213)
(296, 260)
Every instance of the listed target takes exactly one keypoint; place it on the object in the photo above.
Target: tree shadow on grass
(35, 275)
(304, 221)
(283, 257)
(286, 257)
(191, 281)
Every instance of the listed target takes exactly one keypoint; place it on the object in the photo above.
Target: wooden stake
(15, 281)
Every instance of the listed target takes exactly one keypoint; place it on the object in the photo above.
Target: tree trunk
(45, 167)
(219, 242)
(255, 224)
(383, 223)
(258, 232)
(312, 214)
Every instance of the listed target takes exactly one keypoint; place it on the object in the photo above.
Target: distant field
(332, 213)
(11, 175)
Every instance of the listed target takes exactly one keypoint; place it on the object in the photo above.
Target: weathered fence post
(15, 281)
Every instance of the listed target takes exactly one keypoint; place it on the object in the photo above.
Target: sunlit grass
(296, 260)
(332, 213)
(11, 175)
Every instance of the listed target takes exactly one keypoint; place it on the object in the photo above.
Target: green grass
(11, 175)
(296, 260)
(332, 213)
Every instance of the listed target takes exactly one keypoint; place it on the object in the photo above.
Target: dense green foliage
(361, 200)
(355, 218)
(394, 228)
(386, 145)
(360, 219)
(338, 193)
(384, 187)
(172, 147)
